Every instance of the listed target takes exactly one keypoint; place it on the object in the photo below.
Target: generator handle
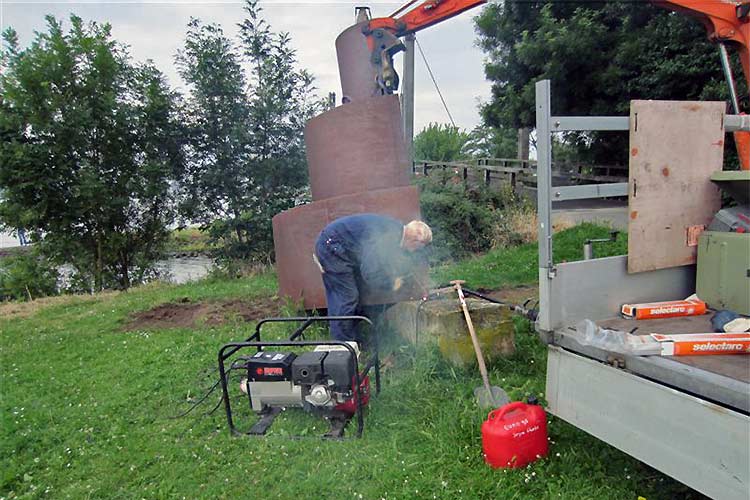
(233, 347)
(308, 320)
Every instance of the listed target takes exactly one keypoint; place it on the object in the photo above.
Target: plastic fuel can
(514, 435)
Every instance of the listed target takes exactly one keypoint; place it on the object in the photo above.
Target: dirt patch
(188, 314)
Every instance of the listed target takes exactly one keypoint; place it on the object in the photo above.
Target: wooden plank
(675, 146)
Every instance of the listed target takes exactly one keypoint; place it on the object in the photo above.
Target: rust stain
(665, 171)
(692, 107)
(634, 214)
(718, 143)
(634, 152)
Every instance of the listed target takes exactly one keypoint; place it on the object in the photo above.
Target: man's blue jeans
(340, 281)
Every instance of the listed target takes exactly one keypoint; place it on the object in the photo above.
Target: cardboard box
(703, 343)
(692, 306)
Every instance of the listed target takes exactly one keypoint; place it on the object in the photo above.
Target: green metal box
(723, 274)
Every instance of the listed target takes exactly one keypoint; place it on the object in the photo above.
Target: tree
(440, 142)
(246, 114)
(90, 143)
(491, 142)
(598, 56)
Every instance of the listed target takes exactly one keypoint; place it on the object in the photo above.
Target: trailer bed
(734, 366)
(722, 379)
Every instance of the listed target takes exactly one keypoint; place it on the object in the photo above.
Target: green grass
(86, 407)
(189, 240)
(518, 265)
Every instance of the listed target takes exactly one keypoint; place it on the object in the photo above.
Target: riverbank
(91, 384)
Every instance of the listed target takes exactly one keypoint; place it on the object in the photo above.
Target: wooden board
(675, 146)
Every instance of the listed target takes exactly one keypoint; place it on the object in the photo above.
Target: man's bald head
(416, 235)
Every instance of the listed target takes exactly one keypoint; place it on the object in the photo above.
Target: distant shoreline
(10, 251)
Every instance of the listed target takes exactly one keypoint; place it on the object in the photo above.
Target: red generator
(514, 435)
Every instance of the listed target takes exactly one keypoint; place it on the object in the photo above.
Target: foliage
(491, 142)
(422, 432)
(515, 226)
(440, 142)
(599, 57)
(27, 276)
(462, 217)
(246, 113)
(89, 147)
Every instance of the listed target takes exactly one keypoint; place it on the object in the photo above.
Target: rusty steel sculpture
(358, 163)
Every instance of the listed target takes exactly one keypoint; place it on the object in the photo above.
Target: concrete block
(442, 322)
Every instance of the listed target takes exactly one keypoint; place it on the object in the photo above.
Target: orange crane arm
(725, 21)
(423, 16)
(383, 33)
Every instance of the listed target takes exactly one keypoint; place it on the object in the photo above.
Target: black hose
(530, 314)
(484, 297)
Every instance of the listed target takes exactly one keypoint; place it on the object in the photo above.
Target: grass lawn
(189, 240)
(86, 411)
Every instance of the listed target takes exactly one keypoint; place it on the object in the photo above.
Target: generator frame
(255, 341)
(687, 421)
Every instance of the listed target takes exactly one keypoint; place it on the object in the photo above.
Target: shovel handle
(474, 339)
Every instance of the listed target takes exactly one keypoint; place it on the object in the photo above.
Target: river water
(180, 270)
(177, 270)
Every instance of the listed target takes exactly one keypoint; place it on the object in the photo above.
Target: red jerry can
(514, 435)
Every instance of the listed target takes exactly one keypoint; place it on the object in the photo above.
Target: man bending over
(365, 251)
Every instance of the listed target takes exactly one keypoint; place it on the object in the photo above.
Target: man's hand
(398, 283)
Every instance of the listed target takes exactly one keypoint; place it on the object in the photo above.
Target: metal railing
(520, 173)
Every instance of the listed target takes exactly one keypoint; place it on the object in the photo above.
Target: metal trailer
(686, 417)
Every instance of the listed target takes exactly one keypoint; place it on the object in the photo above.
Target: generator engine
(320, 381)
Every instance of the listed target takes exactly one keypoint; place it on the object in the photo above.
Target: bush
(27, 276)
(518, 225)
(464, 219)
(440, 142)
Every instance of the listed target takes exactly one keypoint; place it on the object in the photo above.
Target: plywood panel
(675, 146)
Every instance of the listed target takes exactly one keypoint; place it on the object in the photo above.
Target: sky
(156, 29)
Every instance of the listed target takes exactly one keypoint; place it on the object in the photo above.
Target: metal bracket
(616, 361)
(384, 46)
(266, 420)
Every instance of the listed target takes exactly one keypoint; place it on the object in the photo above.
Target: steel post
(727, 67)
(407, 96)
(544, 173)
(544, 202)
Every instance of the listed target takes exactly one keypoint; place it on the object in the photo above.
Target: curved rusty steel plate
(357, 147)
(295, 232)
(356, 71)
